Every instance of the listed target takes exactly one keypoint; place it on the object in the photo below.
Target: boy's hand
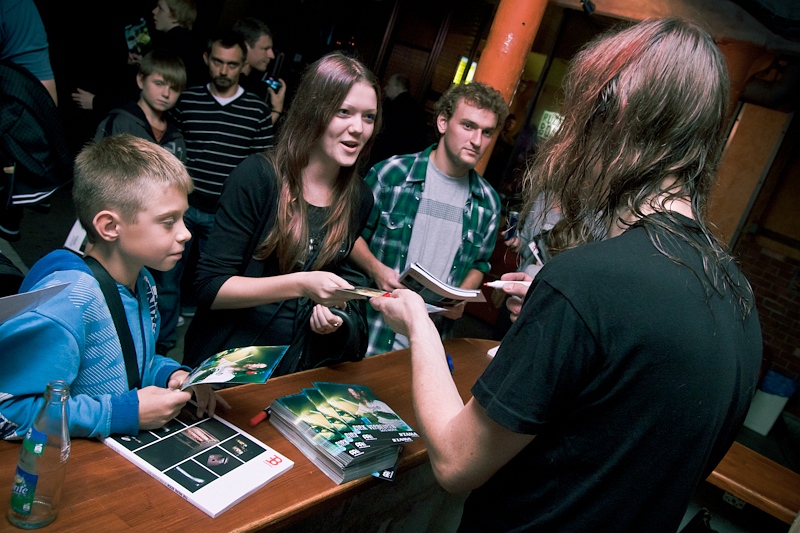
(204, 394)
(157, 406)
(207, 400)
(83, 99)
(176, 379)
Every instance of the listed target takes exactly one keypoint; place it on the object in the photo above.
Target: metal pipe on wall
(503, 58)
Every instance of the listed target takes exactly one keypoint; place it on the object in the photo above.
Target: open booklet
(250, 364)
(434, 291)
(208, 461)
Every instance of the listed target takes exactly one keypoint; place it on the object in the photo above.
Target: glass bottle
(42, 462)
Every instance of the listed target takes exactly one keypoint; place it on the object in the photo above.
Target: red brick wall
(775, 279)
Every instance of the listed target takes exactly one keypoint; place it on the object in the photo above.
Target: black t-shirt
(282, 324)
(635, 380)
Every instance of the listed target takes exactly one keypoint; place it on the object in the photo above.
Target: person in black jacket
(161, 78)
(258, 39)
(286, 222)
(405, 125)
(173, 21)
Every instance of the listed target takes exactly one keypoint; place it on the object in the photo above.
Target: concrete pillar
(503, 59)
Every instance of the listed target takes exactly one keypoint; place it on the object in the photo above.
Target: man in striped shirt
(222, 125)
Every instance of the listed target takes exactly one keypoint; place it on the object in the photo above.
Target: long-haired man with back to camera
(630, 368)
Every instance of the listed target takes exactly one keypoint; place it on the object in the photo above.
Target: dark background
(88, 49)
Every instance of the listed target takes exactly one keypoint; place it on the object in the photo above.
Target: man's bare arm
(472, 280)
(465, 446)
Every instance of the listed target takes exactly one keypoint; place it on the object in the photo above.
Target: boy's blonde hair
(123, 173)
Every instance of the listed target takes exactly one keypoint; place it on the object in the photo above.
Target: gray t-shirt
(436, 235)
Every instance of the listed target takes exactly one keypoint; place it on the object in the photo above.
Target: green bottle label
(23, 491)
(34, 441)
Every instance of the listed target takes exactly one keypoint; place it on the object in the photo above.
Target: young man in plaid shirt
(432, 208)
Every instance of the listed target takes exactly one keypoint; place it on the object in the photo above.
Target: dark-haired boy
(130, 195)
(161, 78)
(223, 124)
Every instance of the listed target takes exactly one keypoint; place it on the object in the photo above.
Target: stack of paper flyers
(343, 429)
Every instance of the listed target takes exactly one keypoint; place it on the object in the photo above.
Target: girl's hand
(321, 286)
(323, 322)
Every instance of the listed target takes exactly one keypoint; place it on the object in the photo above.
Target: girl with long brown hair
(287, 220)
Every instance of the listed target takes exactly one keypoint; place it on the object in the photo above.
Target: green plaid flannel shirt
(397, 185)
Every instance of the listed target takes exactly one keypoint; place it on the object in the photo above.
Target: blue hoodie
(72, 337)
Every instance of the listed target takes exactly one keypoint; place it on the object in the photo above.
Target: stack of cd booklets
(344, 429)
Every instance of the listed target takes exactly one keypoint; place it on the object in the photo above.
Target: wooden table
(105, 492)
(759, 481)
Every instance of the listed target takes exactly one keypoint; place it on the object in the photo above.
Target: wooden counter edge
(759, 481)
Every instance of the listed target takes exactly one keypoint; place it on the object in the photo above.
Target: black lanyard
(114, 302)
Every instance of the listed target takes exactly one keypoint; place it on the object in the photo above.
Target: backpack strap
(114, 302)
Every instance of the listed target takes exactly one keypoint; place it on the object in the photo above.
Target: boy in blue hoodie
(130, 196)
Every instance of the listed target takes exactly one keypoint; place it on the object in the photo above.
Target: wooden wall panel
(748, 156)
